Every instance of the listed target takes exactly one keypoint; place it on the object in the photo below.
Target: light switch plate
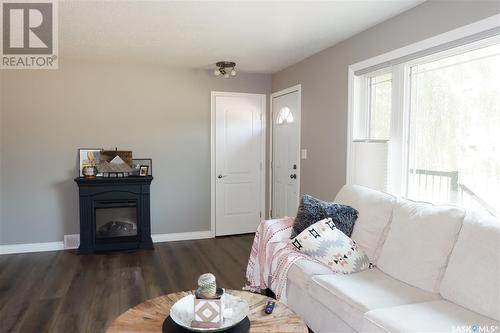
(303, 154)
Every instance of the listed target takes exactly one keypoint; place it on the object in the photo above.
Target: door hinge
(260, 214)
(271, 214)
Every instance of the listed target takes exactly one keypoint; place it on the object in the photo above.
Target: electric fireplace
(114, 214)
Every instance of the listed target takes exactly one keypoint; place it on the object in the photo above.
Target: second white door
(286, 151)
(239, 159)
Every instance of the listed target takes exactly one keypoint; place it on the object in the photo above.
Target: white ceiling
(260, 36)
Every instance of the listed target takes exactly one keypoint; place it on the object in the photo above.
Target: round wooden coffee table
(150, 315)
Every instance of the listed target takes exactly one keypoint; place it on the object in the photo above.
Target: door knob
(220, 176)
(293, 176)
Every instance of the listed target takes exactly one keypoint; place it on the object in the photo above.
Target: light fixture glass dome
(216, 72)
(233, 72)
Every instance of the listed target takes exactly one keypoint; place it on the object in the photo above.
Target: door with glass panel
(285, 156)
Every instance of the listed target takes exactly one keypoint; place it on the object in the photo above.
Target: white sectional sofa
(437, 270)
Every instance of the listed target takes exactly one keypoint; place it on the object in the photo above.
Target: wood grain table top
(150, 315)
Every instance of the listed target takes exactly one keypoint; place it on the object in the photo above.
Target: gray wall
(164, 113)
(324, 83)
(158, 112)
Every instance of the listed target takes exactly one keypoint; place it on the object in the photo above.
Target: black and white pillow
(329, 245)
(311, 210)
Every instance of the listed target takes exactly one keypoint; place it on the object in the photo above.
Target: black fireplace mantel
(114, 192)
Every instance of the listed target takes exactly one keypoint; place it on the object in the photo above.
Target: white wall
(158, 112)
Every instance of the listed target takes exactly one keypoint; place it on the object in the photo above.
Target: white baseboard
(31, 247)
(57, 246)
(158, 238)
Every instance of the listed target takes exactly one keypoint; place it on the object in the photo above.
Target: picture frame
(83, 155)
(138, 162)
(143, 170)
(125, 155)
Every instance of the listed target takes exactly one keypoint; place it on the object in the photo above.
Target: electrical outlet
(71, 241)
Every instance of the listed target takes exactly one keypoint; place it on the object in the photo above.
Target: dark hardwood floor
(64, 292)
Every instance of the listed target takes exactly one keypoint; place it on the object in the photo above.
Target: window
(380, 106)
(454, 153)
(285, 116)
(374, 117)
(372, 129)
(436, 119)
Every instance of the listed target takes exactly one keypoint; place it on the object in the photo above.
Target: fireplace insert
(115, 219)
(114, 214)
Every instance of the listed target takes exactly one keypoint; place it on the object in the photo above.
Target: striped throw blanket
(271, 257)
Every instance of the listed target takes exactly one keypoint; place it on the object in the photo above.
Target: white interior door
(239, 159)
(285, 157)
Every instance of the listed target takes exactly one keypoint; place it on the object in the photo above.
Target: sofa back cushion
(472, 278)
(419, 243)
(374, 214)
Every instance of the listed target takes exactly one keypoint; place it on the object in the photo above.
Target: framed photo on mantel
(87, 155)
(137, 163)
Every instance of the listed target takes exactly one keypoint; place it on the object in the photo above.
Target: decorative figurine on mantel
(208, 307)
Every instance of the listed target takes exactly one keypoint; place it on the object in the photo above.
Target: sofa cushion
(472, 278)
(419, 243)
(435, 316)
(350, 296)
(303, 270)
(374, 214)
(330, 246)
(311, 210)
(317, 317)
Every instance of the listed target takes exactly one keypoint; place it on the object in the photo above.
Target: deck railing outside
(467, 198)
(444, 187)
(434, 186)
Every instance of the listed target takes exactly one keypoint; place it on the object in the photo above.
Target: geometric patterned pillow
(324, 242)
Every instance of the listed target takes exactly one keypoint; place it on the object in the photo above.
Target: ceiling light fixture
(223, 69)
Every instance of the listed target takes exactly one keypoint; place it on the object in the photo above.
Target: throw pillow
(311, 210)
(327, 244)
